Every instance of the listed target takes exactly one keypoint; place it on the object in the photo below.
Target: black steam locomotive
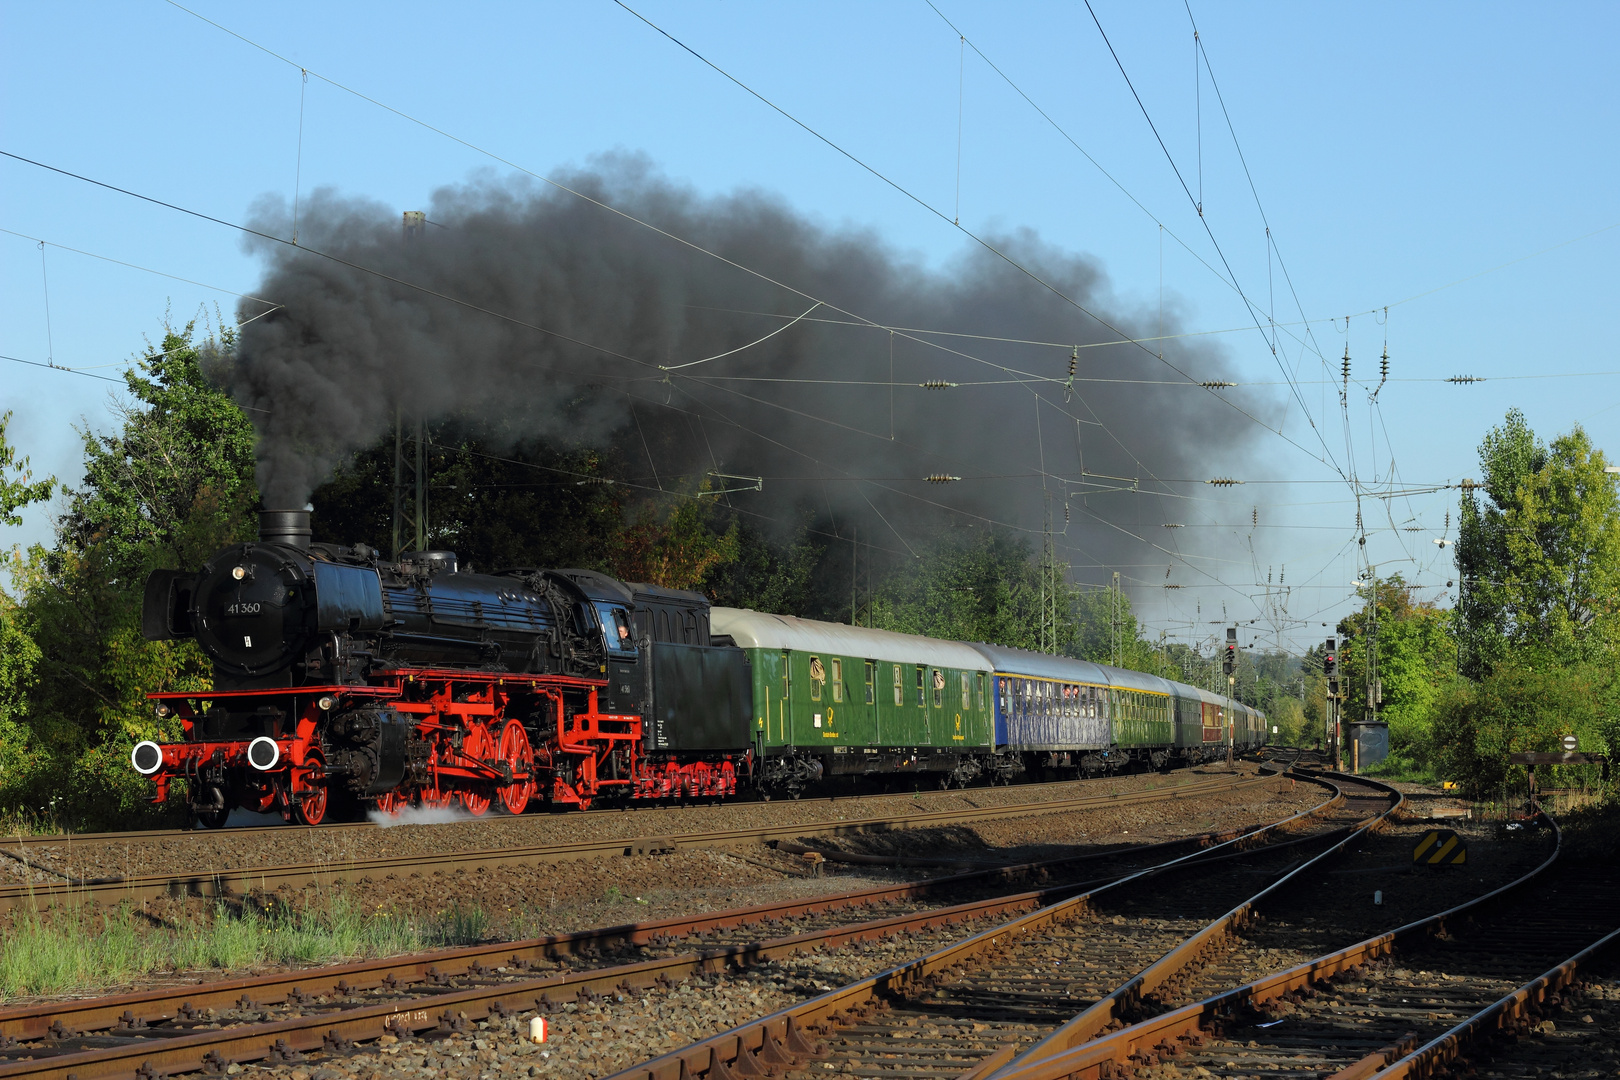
(341, 675)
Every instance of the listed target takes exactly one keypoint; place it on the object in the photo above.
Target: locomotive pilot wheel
(311, 809)
(212, 817)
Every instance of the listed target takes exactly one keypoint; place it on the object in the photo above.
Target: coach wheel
(311, 809)
(477, 745)
(516, 752)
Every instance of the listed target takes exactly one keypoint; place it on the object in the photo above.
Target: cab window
(616, 629)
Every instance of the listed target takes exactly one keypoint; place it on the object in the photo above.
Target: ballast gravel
(136, 855)
(605, 1036)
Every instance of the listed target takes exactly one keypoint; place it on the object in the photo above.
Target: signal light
(1229, 663)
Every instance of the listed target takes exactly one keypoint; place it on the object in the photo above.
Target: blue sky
(1395, 149)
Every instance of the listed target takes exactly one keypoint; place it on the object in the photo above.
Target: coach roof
(1041, 665)
(757, 630)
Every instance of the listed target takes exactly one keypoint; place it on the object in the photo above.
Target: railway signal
(1330, 666)
(1229, 657)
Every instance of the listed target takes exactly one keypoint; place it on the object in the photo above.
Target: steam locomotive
(345, 682)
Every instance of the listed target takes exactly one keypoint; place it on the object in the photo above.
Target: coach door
(784, 702)
(939, 717)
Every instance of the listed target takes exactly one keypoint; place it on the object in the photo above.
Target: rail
(224, 883)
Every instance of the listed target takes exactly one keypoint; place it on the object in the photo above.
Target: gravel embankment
(529, 901)
(603, 1037)
(229, 850)
(612, 1034)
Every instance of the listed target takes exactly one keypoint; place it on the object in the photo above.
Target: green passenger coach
(1142, 712)
(833, 700)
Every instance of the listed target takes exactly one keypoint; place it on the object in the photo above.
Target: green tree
(1523, 706)
(676, 546)
(1417, 661)
(969, 585)
(1105, 619)
(172, 486)
(1538, 551)
(771, 575)
(18, 487)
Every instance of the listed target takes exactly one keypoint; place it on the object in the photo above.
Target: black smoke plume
(535, 312)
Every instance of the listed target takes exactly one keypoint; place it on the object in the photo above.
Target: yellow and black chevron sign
(1440, 847)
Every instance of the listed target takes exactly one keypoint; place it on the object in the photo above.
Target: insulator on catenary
(1344, 365)
(940, 478)
(1223, 481)
(1216, 384)
(1462, 380)
(936, 384)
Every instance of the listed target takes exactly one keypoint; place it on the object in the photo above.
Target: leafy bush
(1523, 706)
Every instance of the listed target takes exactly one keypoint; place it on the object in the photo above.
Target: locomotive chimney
(290, 527)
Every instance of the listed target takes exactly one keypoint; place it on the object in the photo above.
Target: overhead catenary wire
(136, 266)
(396, 110)
(683, 241)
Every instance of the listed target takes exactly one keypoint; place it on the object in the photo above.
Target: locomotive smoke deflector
(290, 527)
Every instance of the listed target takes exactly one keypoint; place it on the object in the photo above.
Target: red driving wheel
(477, 745)
(390, 803)
(516, 752)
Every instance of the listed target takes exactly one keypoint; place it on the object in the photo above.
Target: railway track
(284, 1015)
(1407, 1003)
(1283, 758)
(237, 882)
(979, 1003)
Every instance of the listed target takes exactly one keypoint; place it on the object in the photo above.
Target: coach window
(899, 687)
(922, 693)
(871, 683)
(818, 675)
(978, 685)
(837, 679)
(967, 694)
(939, 689)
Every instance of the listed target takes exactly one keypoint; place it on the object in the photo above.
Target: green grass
(78, 949)
(1402, 769)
